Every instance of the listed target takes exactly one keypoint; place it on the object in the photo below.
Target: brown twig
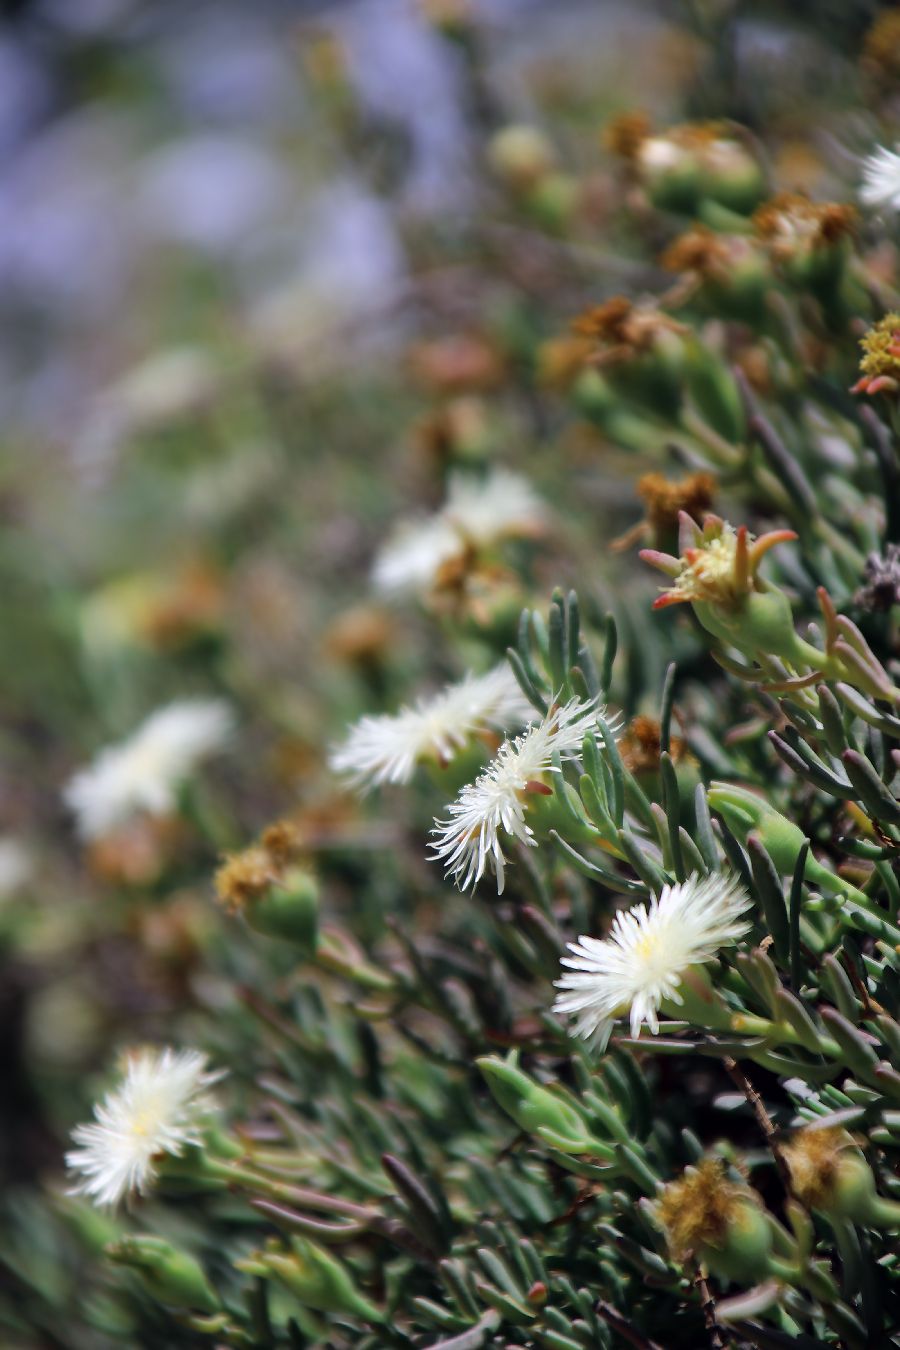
(623, 1326)
(717, 1338)
(754, 1101)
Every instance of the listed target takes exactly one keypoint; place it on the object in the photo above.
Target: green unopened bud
(288, 909)
(698, 162)
(721, 1222)
(318, 1279)
(522, 156)
(533, 1108)
(829, 1174)
(167, 1273)
(744, 812)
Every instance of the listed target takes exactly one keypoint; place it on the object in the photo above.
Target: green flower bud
(522, 156)
(533, 1108)
(170, 1275)
(288, 909)
(829, 1174)
(743, 811)
(318, 1279)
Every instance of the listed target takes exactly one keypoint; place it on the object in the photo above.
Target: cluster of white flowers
(143, 772)
(647, 952)
(160, 1107)
(386, 749)
(498, 797)
(881, 180)
(477, 514)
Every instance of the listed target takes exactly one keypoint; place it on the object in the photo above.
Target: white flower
(498, 798)
(159, 1108)
(881, 179)
(644, 957)
(414, 554)
(386, 749)
(478, 512)
(143, 772)
(503, 505)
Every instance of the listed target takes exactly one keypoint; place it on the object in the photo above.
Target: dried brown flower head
(814, 1158)
(245, 876)
(664, 500)
(282, 841)
(697, 1210)
(248, 875)
(703, 255)
(792, 225)
(625, 133)
(621, 329)
(640, 745)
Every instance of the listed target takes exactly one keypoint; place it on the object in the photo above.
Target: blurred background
(266, 276)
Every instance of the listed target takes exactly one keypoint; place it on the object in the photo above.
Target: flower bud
(880, 365)
(276, 896)
(522, 156)
(743, 811)
(699, 162)
(289, 910)
(828, 1173)
(717, 572)
(533, 1108)
(170, 1275)
(721, 1222)
(318, 1279)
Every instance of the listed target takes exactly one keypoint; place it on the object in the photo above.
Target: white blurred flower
(414, 555)
(478, 512)
(386, 749)
(159, 1107)
(16, 866)
(502, 506)
(881, 179)
(643, 959)
(143, 773)
(498, 798)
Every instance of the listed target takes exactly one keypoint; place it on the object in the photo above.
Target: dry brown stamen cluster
(248, 875)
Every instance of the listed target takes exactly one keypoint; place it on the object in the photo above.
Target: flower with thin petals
(647, 953)
(718, 564)
(386, 749)
(502, 506)
(498, 799)
(159, 1107)
(478, 513)
(143, 772)
(881, 180)
(414, 555)
(880, 364)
